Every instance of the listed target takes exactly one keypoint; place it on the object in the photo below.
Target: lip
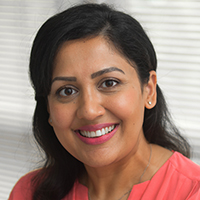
(95, 127)
(97, 140)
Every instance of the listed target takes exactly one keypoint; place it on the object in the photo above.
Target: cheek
(62, 115)
(130, 104)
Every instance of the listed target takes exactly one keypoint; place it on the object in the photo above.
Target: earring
(50, 121)
(149, 102)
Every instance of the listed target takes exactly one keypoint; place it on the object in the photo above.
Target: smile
(97, 133)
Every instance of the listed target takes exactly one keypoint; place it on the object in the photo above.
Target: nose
(90, 107)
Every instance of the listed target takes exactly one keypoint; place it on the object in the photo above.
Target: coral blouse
(177, 179)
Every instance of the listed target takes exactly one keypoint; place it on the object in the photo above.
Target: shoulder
(178, 178)
(23, 188)
(182, 176)
(185, 166)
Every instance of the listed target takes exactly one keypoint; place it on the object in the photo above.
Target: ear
(150, 90)
(48, 110)
(50, 121)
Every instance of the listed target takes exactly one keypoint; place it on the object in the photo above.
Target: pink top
(177, 179)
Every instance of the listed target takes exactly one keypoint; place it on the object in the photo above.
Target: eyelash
(116, 82)
(62, 91)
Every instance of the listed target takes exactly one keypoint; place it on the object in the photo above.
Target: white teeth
(98, 133)
(84, 133)
(106, 129)
(103, 131)
(93, 134)
(87, 134)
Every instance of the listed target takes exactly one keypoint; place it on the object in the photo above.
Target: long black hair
(60, 170)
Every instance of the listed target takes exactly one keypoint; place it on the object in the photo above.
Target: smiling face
(96, 104)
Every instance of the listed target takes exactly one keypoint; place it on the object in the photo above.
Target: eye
(109, 83)
(66, 92)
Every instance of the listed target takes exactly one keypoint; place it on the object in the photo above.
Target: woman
(100, 116)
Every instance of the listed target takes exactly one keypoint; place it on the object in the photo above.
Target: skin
(94, 98)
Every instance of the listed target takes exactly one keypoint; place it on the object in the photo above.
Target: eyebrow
(94, 75)
(60, 78)
(107, 70)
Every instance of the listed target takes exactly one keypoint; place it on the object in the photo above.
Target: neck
(118, 177)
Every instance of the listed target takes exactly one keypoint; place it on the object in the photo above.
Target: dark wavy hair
(57, 176)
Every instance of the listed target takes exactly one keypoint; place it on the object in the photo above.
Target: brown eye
(67, 92)
(109, 83)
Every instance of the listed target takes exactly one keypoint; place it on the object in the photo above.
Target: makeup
(96, 134)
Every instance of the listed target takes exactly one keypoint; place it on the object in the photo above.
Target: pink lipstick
(96, 134)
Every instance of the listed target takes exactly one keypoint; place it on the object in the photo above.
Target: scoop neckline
(148, 181)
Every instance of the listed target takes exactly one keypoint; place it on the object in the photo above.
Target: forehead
(87, 56)
(83, 47)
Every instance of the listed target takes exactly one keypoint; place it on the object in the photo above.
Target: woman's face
(96, 104)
